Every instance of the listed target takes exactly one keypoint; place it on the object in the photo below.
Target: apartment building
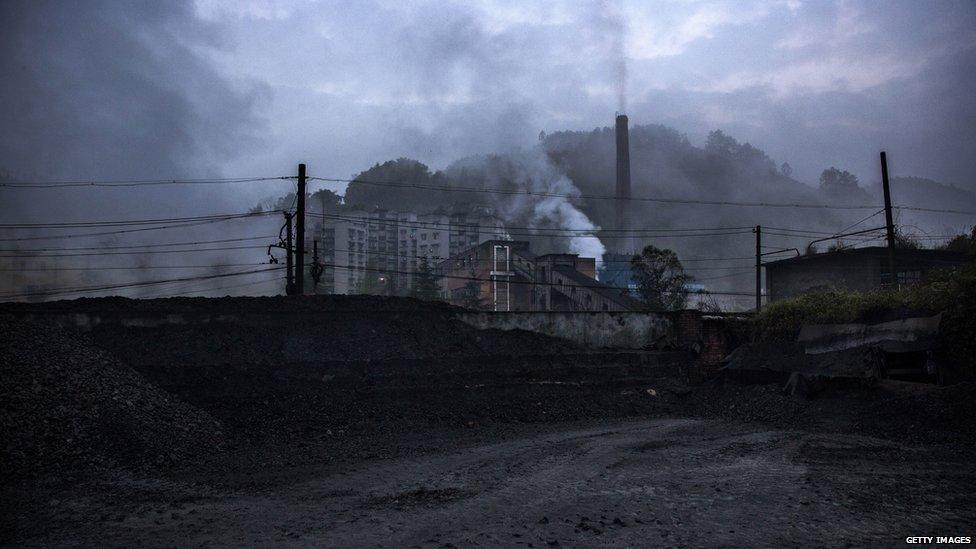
(343, 251)
(380, 251)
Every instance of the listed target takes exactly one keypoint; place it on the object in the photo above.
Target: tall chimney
(623, 182)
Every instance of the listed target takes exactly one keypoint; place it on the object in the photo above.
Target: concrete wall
(620, 330)
(858, 273)
(861, 269)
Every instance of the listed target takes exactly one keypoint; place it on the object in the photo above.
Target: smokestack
(623, 181)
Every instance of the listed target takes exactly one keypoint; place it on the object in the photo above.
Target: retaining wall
(618, 330)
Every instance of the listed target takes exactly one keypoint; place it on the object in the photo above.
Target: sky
(205, 88)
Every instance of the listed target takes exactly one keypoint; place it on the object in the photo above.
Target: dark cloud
(109, 90)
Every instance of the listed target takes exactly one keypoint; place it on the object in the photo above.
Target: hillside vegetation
(953, 293)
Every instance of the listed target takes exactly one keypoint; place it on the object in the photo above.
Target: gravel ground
(671, 482)
(177, 435)
(69, 406)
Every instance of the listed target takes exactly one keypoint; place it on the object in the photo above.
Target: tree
(786, 169)
(425, 283)
(326, 200)
(368, 285)
(471, 297)
(964, 244)
(402, 171)
(832, 178)
(905, 241)
(721, 144)
(660, 278)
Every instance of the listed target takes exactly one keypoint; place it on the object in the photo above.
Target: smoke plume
(613, 27)
(532, 171)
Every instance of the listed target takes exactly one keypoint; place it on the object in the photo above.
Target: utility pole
(758, 231)
(289, 262)
(300, 234)
(892, 275)
(317, 267)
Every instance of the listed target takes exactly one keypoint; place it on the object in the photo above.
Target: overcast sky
(240, 88)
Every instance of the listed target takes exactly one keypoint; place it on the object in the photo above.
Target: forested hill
(664, 165)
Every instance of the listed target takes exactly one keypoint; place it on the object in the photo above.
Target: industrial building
(855, 269)
(503, 275)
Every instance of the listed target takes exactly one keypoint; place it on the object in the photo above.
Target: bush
(951, 292)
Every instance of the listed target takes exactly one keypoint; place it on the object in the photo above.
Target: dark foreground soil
(118, 437)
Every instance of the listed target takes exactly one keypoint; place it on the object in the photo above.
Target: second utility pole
(892, 276)
(300, 234)
(758, 231)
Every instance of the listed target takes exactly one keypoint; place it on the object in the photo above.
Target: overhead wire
(133, 222)
(597, 285)
(132, 252)
(135, 182)
(114, 233)
(214, 289)
(546, 194)
(133, 246)
(91, 289)
(129, 268)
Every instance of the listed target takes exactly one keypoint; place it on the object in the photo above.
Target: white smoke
(548, 204)
(571, 217)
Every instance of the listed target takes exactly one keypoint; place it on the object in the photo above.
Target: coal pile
(69, 407)
(293, 373)
(908, 412)
(273, 330)
(927, 413)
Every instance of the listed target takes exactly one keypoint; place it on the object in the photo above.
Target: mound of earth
(889, 409)
(146, 334)
(68, 406)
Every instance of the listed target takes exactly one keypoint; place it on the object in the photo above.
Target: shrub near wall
(953, 293)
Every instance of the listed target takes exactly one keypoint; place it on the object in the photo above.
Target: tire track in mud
(629, 483)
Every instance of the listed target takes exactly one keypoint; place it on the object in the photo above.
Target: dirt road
(629, 483)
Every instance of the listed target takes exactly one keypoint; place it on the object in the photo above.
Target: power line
(215, 289)
(598, 285)
(134, 222)
(845, 229)
(135, 182)
(130, 268)
(404, 185)
(135, 252)
(68, 291)
(123, 231)
(418, 224)
(132, 246)
(548, 231)
(830, 237)
(438, 258)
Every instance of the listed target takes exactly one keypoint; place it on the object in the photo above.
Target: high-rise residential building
(344, 251)
(472, 227)
(381, 251)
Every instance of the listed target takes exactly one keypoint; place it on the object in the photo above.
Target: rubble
(250, 402)
(68, 406)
